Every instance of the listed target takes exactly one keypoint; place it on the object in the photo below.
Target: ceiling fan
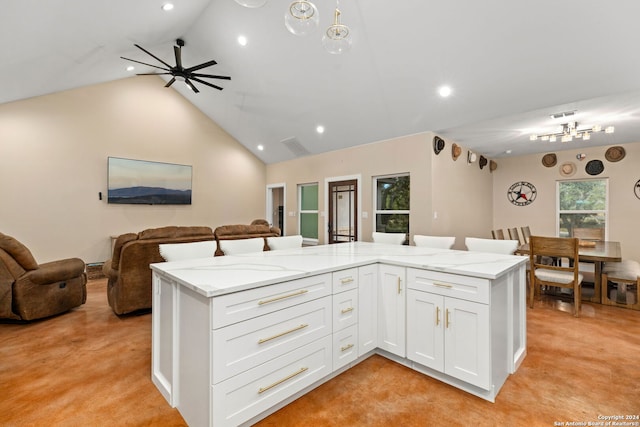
(178, 72)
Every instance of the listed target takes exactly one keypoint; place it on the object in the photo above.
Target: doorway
(276, 206)
(342, 222)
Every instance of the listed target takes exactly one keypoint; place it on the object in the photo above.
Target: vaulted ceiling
(510, 64)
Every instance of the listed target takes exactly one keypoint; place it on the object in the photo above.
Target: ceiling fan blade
(151, 54)
(211, 76)
(198, 67)
(152, 74)
(177, 51)
(193, 88)
(173, 79)
(206, 83)
(144, 63)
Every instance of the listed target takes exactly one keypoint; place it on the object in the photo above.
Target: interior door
(343, 211)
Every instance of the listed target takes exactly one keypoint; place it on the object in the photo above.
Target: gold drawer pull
(288, 377)
(294, 294)
(442, 285)
(345, 281)
(446, 319)
(346, 347)
(346, 310)
(437, 316)
(297, 328)
(399, 288)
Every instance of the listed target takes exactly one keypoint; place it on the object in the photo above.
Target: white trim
(325, 213)
(269, 204)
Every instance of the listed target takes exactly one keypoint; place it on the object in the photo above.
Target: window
(391, 204)
(308, 208)
(582, 208)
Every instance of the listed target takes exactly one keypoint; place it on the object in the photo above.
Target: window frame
(308, 240)
(377, 211)
(604, 211)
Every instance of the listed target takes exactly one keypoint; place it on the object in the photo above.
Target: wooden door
(343, 211)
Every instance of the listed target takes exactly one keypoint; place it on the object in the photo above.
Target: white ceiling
(510, 63)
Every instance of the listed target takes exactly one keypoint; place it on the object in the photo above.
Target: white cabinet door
(425, 329)
(391, 309)
(467, 342)
(162, 336)
(367, 309)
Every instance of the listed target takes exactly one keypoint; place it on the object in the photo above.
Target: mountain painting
(142, 182)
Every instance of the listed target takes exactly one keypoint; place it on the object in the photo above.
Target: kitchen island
(235, 338)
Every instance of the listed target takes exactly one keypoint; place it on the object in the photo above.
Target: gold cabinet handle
(273, 337)
(399, 288)
(437, 316)
(293, 294)
(446, 318)
(442, 285)
(346, 310)
(288, 377)
(346, 347)
(346, 280)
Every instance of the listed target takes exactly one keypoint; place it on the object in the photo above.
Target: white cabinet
(368, 309)
(391, 309)
(345, 317)
(449, 335)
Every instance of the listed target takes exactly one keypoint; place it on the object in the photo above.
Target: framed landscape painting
(142, 182)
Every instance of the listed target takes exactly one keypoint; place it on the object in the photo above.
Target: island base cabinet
(449, 335)
(252, 392)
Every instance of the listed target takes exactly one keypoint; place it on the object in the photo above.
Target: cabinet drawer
(243, 345)
(239, 306)
(345, 280)
(345, 309)
(345, 346)
(464, 287)
(246, 395)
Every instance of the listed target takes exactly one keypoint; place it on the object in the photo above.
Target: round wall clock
(636, 189)
(522, 193)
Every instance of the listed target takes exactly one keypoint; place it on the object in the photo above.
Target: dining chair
(506, 247)
(437, 242)
(284, 242)
(389, 238)
(555, 275)
(526, 233)
(498, 234)
(588, 233)
(514, 235)
(242, 246)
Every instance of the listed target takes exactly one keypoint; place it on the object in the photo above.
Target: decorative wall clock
(522, 193)
(636, 189)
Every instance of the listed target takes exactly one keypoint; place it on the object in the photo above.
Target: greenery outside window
(308, 208)
(582, 205)
(392, 204)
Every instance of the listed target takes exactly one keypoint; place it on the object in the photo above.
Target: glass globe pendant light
(301, 18)
(336, 38)
(251, 3)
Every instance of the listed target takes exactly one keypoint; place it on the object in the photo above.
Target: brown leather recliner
(257, 228)
(29, 290)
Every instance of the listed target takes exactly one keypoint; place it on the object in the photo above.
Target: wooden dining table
(603, 251)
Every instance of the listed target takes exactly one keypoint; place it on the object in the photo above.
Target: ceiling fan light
(533, 138)
(586, 136)
(552, 138)
(301, 18)
(566, 138)
(609, 129)
(596, 128)
(251, 3)
(544, 137)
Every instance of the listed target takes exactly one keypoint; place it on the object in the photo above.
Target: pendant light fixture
(301, 18)
(336, 39)
(252, 3)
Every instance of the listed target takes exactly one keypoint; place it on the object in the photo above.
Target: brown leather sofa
(257, 228)
(129, 284)
(29, 290)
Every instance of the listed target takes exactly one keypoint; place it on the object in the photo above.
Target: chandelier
(572, 130)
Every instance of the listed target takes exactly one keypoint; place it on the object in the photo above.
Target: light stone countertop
(217, 276)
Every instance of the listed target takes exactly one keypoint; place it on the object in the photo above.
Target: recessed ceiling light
(508, 152)
(260, 147)
(131, 68)
(320, 129)
(167, 7)
(444, 91)
(242, 40)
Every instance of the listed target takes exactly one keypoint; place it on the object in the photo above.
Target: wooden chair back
(589, 233)
(555, 275)
(526, 233)
(514, 235)
(498, 234)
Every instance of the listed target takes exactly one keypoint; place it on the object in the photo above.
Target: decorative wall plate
(522, 193)
(636, 189)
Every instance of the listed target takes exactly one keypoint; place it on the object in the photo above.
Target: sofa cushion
(18, 251)
(173, 232)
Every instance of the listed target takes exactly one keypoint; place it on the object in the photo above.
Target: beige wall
(453, 189)
(624, 207)
(53, 161)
